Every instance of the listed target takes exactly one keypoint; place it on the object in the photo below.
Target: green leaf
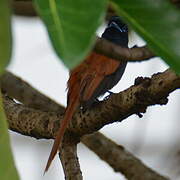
(7, 167)
(158, 22)
(72, 26)
(5, 34)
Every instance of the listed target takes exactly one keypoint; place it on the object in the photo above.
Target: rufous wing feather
(74, 103)
(83, 81)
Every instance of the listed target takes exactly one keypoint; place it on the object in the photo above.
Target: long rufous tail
(64, 123)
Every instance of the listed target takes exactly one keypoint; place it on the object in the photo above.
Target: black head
(116, 31)
(116, 23)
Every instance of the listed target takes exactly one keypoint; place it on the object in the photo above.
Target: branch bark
(119, 53)
(176, 3)
(125, 162)
(47, 124)
(119, 158)
(22, 91)
(117, 107)
(22, 119)
(69, 159)
(24, 8)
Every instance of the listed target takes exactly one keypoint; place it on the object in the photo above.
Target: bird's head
(116, 23)
(116, 31)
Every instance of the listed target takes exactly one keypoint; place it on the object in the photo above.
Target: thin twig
(23, 92)
(119, 53)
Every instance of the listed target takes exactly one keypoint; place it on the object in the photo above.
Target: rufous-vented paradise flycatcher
(92, 78)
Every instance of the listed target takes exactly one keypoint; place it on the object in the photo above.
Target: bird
(92, 78)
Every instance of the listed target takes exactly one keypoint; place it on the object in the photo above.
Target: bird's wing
(86, 77)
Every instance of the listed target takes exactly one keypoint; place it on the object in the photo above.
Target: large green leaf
(158, 22)
(5, 34)
(7, 167)
(71, 25)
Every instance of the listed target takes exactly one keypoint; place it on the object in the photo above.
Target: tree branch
(18, 114)
(112, 153)
(117, 107)
(69, 159)
(24, 8)
(176, 3)
(134, 100)
(119, 53)
(48, 122)
(23, 92)
(28, 121)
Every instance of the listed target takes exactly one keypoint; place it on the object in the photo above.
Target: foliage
(7, 168)
(72, 25)
(158, 23)
(5, 35)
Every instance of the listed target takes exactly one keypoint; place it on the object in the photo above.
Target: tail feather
(59, 137)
